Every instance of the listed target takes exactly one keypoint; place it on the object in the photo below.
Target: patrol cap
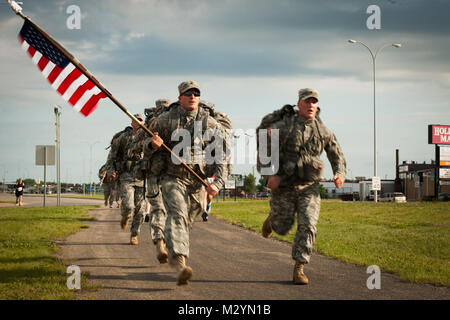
(186, 85)
(162, 103)
(306, 93)
(139, 116)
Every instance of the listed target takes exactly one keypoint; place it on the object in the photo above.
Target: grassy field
(411, 240)
(70, 195)
(28, 266)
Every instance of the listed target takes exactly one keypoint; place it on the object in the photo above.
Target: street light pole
(57, 111)
(374, 57)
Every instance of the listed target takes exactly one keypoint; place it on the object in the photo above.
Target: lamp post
(57, 110)
(374, 56)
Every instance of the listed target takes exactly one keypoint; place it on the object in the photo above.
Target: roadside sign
(229, 184)
(45, 155)
(376, 183)
(444, 173)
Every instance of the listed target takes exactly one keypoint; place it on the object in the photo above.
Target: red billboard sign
(438, 134)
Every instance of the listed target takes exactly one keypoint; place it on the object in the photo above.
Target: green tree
(261, 184)
(250, 183)
(323, 193)
(29, 182)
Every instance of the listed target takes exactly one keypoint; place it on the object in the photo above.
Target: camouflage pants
(115, 192)
(183, 203)
(108, 193)
(133, 204)
(305, 201)
(158, 214)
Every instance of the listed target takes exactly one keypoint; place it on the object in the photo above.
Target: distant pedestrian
(19, 186)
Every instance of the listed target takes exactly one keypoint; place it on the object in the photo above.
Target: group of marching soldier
(147, 172)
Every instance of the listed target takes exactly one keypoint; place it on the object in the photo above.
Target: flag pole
(18, 10)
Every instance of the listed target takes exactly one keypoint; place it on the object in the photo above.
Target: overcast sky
(250, 57)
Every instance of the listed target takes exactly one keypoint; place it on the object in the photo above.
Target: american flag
(63, 76)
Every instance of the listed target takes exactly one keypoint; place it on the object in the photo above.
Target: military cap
(162, 103)
(139, 116)
(306, 93)
(186, 85)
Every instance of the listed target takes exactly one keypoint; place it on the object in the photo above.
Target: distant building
(348, 188)
(367, 194)
(417, 180)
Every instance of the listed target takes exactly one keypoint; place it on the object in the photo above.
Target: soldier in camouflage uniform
(158, 212)
(108, 184)
(295, 187)
(126, 163)
(182, 193)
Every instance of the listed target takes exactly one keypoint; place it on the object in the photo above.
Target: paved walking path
(229, 262)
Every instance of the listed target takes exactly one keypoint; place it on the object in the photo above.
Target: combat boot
(124, 222)
(186, 272)
(299, 276)
(134, 240)
(267, 228)
(161, 253)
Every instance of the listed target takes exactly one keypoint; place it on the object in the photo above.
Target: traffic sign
(376, 183)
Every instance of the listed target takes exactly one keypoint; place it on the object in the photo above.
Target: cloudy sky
(250, 57)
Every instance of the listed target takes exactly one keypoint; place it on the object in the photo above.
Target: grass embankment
(28, 267)
(411, 240)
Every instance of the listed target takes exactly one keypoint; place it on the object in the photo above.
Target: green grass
(64, 195)
(29, 268)
(411, 240)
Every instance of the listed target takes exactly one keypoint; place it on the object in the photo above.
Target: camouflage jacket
(103, 171)
(166, 125)
(301, 142)
(124, 159)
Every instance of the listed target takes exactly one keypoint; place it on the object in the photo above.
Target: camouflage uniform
(158, 213)
(182, 193)
(108, 185)
(127, 164)
(301, 144)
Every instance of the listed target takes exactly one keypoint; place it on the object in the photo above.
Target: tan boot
(266, 228)
(124, 222)
(299, 276)
(161, 253)
(186, 272)
(134, 240)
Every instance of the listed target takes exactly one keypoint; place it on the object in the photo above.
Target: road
(35, 200)
(229, 262)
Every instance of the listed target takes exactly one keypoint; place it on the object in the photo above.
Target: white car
(393, 197)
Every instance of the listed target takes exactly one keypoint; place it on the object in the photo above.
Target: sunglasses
(194, 92)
